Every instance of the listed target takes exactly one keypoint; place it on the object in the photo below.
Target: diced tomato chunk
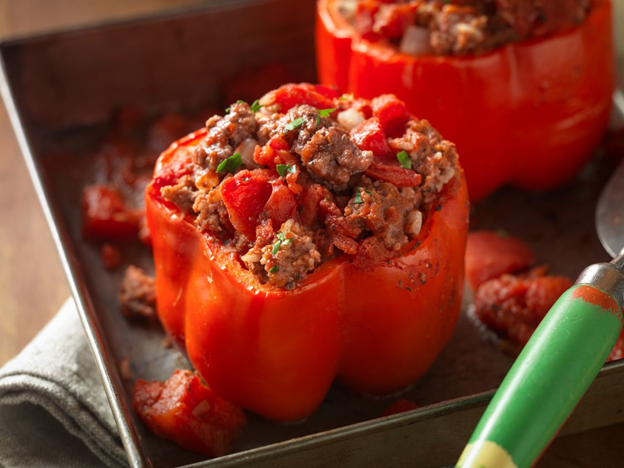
(245, 196)
(326, 91)
(392, 114)
(400, 406)
(513, 306)
(265, 156)
(290, 95)
(278, 143)
(369, 136)
(490, 254)
(105, 215)
(189, 413)
(170, 173)
(365, 18)
(281, 205)
(310, 200)
(399, 176)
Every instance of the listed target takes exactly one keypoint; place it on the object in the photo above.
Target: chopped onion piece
(246, 150)
(413, 223)
(350, 119)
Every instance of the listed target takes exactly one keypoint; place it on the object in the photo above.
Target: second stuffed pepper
(522, 87)
(305, 237)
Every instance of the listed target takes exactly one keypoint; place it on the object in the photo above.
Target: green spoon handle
(551, 374)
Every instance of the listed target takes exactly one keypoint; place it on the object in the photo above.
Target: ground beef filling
(137, 294)
(460, 27)
(291, 188)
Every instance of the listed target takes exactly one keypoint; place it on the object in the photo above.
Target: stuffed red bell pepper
(522, 87)
(307, 237)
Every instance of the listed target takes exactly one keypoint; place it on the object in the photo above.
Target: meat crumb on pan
(137, 294)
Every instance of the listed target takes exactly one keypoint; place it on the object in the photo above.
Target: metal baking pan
(61, 90)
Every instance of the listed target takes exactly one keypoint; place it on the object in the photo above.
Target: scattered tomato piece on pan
(490, 254)
(513, 305)
(183, 409)
(105, 216)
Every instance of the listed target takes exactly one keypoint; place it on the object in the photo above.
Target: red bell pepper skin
(376, 326)
(527, 114)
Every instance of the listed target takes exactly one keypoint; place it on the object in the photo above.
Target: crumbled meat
(225, 134)
(289, 258)
(294, 258)
(212, 215)
(137, 294)
(432, 157)
(460, 27)
(181, 194)
(333, 157)
(236, 126)
(383, 209)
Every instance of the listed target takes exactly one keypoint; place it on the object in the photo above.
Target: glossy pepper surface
(377, 327)
(528, 114)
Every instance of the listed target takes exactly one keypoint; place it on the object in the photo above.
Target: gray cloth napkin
(53, 409)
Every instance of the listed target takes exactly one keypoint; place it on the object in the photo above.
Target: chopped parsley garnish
(230, 164)
(323, 113)
(358, 195)
(281, 240)
(326, 112)
(256, 106)
(283, 169)
(240, 101)
(405, 160)
(344, 97)
(294, 124)
(274, 269)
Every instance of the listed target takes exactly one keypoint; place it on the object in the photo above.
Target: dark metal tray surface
(61, 89)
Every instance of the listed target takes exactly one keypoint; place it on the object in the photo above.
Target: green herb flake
(274, 269)
(358, 196)
(325, 112)
(256, 106)
(230, 164)
(343, 98)
(281, 241)
(294, 124)
(283, 169)
(276, 247)
(405, 160)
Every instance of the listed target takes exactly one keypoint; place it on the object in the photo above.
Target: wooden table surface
(32, 283)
